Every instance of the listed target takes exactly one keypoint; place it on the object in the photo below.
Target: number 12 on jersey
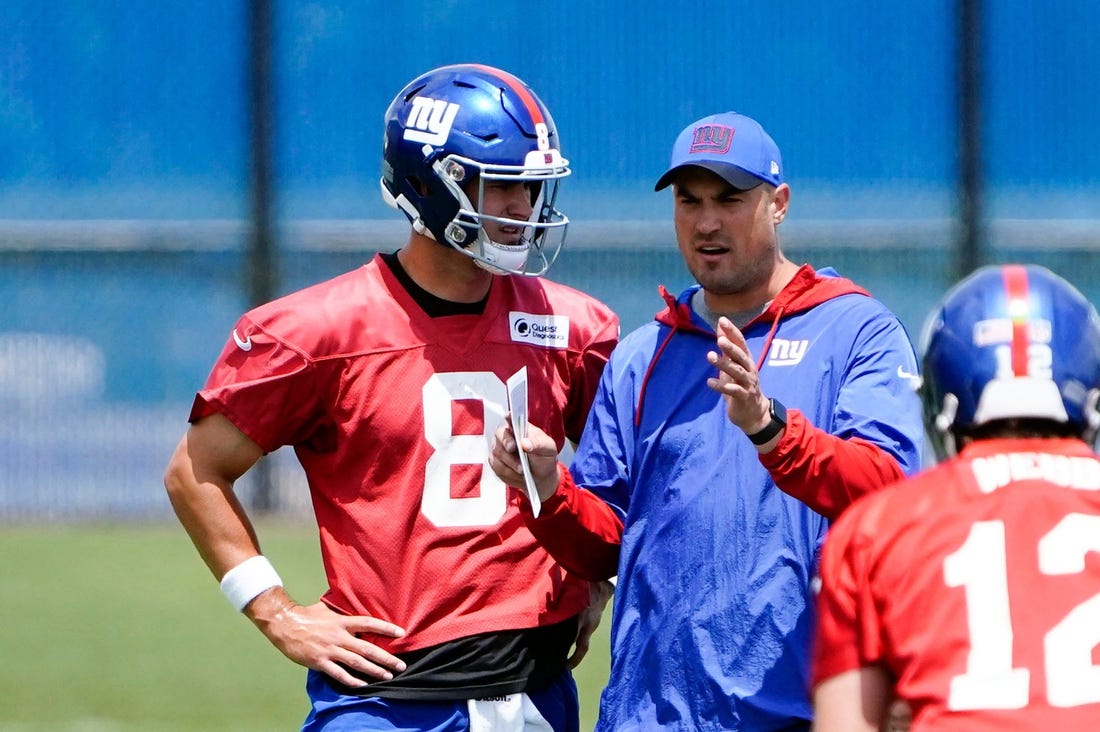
(980, 566)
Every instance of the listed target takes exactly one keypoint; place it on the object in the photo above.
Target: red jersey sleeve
(824, 471)
(263, 386)
(587, 369)
(592, 553)
(848, 630)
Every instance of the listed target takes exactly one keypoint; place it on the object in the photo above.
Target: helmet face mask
(452, 131)
(1013, 342)
(471, 229)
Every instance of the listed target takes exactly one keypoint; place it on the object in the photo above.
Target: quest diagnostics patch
(548, 331)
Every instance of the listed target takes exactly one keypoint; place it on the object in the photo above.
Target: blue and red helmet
(1010, 342)
(468, 123)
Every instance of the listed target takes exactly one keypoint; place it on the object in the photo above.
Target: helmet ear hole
(942, 428)
(1092, 416)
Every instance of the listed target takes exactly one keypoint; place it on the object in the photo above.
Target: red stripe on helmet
(1016, 287)
(518, 87)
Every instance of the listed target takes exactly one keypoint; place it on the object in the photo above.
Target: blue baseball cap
(730, 145)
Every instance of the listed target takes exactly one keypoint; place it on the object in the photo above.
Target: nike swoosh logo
(246, 344)
(901, 373)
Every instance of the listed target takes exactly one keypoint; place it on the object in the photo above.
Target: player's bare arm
(599, 594)
(199, 479)
(318, 638)
(738, 380)
(853, 701)
(542, 457)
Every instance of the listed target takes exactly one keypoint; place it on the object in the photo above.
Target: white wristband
(248, 579)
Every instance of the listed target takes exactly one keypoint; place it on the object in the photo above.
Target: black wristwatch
(779, 420)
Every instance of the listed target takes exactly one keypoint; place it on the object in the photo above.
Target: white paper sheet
(517, 405)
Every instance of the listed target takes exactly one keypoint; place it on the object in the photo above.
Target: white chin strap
(421, 228)
(502, 258)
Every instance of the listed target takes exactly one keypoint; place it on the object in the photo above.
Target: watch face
(779, 412)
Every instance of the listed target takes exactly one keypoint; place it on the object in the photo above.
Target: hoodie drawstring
(649, 370)
(768, 340)
(673, 330)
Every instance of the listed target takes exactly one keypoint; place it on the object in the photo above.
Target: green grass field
(121, 628)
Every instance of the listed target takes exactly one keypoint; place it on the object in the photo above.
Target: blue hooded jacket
(713, 612)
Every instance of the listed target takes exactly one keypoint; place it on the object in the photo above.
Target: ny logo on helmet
(430, 120)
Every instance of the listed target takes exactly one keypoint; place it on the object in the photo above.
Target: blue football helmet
(1010, 342)
(466, 124)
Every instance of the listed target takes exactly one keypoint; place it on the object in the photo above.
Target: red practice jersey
(977, 585)
(391, 414)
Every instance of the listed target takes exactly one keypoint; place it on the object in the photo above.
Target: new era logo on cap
(729, 145)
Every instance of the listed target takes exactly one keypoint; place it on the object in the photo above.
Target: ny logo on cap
(711, 139)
